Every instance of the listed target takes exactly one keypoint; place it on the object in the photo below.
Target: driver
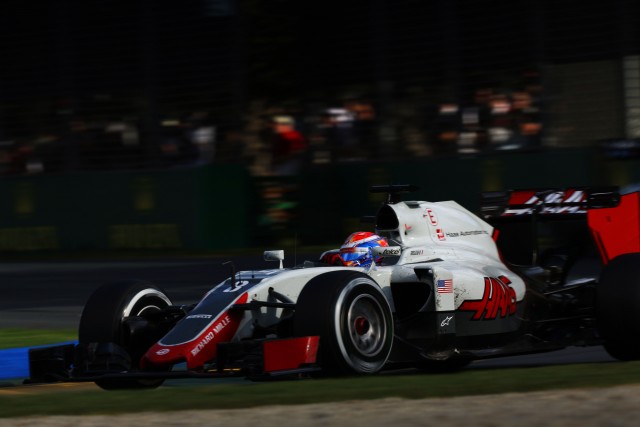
(355, 251)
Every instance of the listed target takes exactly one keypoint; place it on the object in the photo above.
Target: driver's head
(356, 250)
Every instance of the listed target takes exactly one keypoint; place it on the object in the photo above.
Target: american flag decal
(445, 286)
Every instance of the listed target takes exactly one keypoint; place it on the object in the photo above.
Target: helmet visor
(354, 256)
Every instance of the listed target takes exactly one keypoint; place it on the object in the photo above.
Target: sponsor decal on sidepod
(499, 299)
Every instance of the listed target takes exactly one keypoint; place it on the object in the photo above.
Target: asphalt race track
(51, 294)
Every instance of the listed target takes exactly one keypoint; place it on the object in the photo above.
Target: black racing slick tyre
(618, 305)
(102, 321)
(352, 317)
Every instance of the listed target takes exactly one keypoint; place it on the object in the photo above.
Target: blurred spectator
(202, 136)
(365, 126)
(121, 142)
(337, 130)
(527, 121)
(447, 128)
(47, 155)
(188, 141)
(172, 143)
(476, 120)
(469, 141)
(409, 114)
(254, 140)
(500, 127)
(288, 146)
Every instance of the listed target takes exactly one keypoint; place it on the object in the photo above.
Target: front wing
(254, 359)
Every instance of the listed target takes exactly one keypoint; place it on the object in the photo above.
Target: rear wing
(547, 202)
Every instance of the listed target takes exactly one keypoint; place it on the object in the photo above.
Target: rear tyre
(102, 322)
(349, 312)
(618, 305)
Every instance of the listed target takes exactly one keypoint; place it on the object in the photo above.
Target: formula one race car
(541, 270)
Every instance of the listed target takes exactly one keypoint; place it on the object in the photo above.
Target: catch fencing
(105, 85)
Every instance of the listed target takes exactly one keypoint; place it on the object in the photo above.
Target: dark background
(101, 102)
(95, 62)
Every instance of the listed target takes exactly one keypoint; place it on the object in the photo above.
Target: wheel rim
(145, 301)
(366, 325)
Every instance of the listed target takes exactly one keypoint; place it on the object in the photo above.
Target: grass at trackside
(210, 394)
(227, 396)
(16, 337)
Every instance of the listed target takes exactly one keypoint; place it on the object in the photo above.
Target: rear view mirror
(277, 255)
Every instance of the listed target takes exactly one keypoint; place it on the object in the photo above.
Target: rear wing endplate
(555, 202)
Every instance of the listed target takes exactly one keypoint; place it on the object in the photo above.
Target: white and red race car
(535, 271)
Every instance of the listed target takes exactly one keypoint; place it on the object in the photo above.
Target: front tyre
(102, 321)
(618, 305)
(349, 312)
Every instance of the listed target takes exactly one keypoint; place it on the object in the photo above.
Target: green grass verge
(219, 395)
(242, 395)
(16, 337)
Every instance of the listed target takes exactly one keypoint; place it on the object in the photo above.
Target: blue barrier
(14, 362)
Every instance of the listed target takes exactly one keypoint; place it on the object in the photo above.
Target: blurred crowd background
(107, 84)
(281, 86)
